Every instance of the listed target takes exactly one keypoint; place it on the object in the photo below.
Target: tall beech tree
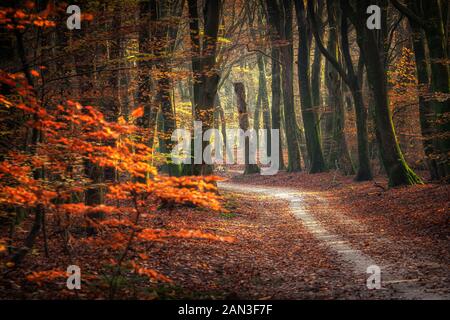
(279, 14)
(276, 82)
(316, 66)
(338, 149)
(425, 108)
(146, 25)
(244, 124)
(165, 38)
(317, 162)
(262, 106)
(206, 77)
(276, 98)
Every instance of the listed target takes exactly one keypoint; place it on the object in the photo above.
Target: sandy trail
(352, 258)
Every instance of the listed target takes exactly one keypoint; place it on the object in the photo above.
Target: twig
(376, 184)
(263, 53)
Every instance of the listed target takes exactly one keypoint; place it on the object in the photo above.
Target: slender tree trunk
(115, 58)
(257, 113)
(425, 109)
(280, 19)
(147, 16)
(339, 153)
(276, 99)
(239, 89)
(262, 103)
(209, 79)
(166, 37)
(287, 77)
(316, 68)
(264, 100)
(440, 84)
(317, 163)
(223, 127)
(354, 83)
(338, 149)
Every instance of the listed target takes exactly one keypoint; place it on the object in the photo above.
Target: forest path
(395, 280)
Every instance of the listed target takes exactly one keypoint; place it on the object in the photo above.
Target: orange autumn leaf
(2, 245)
(143, 256)
(29, 4)
(153, 274)
(159, 234)
(45, 276)
(139, 112)
(87, 16)
(34, 73)
(20, 14)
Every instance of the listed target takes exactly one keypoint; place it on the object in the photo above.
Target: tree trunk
(239, 89)
(434, 21)
(394, 163)
(338, 149)
(206, 78)
(276, 99)
(147, 16)
(364, 172)
(223, 127)
(280, 19)
(354, 83)
(264, 101)
(317, 163)
(166, 37)
(257, 113)
(425, 109)
(316, 68)
(115, 57)
(440, 84)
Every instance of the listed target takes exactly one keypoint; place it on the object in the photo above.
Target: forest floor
(297, 236)
(404, 231)
(301, 236)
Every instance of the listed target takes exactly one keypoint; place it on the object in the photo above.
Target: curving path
(353, 258)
